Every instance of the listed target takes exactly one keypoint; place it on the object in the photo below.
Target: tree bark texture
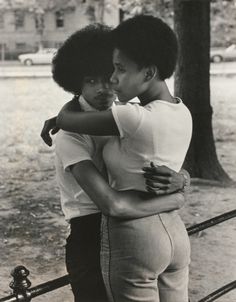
(192, 84)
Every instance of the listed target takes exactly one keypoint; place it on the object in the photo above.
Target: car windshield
(231, 47)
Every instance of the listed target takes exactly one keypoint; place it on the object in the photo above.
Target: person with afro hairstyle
(145, 259)
(83, 67)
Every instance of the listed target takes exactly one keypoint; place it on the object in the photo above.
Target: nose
(113, 79)
(105, 85)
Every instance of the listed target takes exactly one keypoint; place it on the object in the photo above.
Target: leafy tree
(96, 9)
(158, 8)
(38, 15)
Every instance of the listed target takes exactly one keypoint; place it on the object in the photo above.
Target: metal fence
(23, 293)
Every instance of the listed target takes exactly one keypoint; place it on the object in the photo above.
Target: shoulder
(72, 148)
(127, 109)
(186, 112)
(127, 118)
(66, 136)
(66, 141)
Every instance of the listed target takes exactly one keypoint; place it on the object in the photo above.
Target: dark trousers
(83, 259)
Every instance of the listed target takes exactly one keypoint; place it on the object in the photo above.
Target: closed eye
(119, 68)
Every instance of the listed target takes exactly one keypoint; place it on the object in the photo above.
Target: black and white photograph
(117, 150)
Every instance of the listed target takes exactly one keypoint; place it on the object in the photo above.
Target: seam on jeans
(109, 266)
(170, 238)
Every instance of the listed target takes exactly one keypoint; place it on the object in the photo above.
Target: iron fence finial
(20, 283)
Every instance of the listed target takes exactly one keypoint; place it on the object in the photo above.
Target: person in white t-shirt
(143, 259)
(86, 57)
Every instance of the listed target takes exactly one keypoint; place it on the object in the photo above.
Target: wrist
(186, 182)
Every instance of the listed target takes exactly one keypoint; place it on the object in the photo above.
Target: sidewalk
(224, 68)
(15, 69)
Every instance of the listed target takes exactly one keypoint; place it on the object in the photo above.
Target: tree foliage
(157, 8)
(34, 4)
(222, 15)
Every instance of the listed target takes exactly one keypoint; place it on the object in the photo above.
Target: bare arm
(163, 180)
(121, 204)
(49, 128)
(93, 122)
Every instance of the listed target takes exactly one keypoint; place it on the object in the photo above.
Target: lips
(118, 92)
(105, 97)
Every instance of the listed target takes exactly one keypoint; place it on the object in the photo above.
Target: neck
(85, 105)
(157, 90)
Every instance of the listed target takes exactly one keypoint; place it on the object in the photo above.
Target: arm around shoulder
(92, 122)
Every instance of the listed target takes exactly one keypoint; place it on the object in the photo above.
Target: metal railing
(23, 293)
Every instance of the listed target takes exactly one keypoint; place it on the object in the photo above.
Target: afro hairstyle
(147, 41)
(87, 52)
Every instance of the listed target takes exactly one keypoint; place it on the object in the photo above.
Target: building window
(39, 22)
(20, 46)
(1, 20)
(19, 19)
(3, 49)
(59, 19)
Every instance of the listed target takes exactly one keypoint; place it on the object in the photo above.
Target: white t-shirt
(72, 148)
(158, 132)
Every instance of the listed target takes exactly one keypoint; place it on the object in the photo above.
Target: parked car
(220, 54)
(42, 56)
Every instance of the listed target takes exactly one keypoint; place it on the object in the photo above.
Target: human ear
(150, 73)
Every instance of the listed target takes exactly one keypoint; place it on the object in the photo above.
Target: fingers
(160, 170)
(152, 164)
(157, 178)
(155, 184)
(45, 133)
(157, 188)
(158, 191)
(55, 130)
(46, 138)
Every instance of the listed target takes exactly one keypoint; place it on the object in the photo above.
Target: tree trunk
(192, 84)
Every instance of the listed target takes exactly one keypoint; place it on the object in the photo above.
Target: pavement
(14, 69)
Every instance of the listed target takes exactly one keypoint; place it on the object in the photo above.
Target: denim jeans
(83, 259)
(145, 259)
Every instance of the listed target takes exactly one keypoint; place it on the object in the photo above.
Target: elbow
(115, 209)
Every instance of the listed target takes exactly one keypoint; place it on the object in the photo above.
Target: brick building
(25, 25)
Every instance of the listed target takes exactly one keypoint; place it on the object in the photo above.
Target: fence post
(21, 283)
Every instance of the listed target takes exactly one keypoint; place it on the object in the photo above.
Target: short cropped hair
(148, 40)
(87, 52)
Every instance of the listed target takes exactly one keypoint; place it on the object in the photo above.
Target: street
(15, 69)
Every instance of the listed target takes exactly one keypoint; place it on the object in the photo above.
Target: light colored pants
(145, 259)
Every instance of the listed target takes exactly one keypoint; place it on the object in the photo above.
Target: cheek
(134, 84)
(88, 94)
(125, 81)
(130, 84)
